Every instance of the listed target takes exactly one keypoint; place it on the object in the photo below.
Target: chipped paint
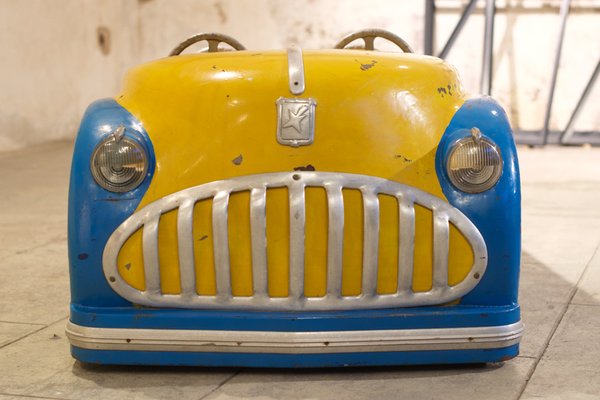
(238, 160)
(366, 67)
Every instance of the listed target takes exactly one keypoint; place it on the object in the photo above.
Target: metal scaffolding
(566, 137)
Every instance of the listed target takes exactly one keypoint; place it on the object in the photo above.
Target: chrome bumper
(294, 342)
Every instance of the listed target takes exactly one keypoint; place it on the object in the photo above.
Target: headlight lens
(474, 164)
(119, 164)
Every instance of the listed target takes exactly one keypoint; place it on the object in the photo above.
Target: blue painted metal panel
(394, 318)
(94, 213)
(496, 212)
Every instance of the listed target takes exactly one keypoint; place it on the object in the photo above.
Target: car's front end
(294, 209)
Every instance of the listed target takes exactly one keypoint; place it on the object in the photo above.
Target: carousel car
(294, 209)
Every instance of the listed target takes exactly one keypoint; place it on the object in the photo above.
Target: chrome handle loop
(369, 36)
(213, 39)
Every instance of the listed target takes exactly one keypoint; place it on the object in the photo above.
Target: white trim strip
(294, 342)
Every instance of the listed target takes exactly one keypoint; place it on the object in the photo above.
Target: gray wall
(54, 64)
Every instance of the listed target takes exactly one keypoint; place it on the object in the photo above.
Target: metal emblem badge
(295, 121)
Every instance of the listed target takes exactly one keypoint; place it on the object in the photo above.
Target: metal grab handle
(213, 39)
(369, 36)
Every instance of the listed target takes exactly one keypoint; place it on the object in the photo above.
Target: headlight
(474, 164)
(119, 163)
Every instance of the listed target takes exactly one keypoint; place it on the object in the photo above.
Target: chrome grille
(296, 183)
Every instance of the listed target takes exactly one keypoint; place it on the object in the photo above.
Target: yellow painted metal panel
(204, 111)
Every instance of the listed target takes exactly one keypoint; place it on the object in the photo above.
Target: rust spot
(203, 238)
(449, 90)
(128, 340)
(366, 67)
(82, 256)
(238, 160)
(55, 336)
(128, 266)
(476, 276)
(442, 91)
(506, 358)
(308, 167)
(326, 343)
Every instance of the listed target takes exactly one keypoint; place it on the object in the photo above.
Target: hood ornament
(295, 121)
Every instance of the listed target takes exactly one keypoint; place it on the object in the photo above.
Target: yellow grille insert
(168, 255)
(387, 276)
(278, 236)
(130, 261)
(315, 264)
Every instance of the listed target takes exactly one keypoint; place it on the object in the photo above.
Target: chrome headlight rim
(475, 139)
(123, 137)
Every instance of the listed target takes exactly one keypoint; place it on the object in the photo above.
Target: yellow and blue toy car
(294, 209)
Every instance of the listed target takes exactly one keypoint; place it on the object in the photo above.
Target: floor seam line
(31, 396)
(41, 328)
(220, 385)
(21, 323)
(22, 337)
(556, 324)
(584, 304)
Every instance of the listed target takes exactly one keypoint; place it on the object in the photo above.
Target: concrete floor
(560, 298)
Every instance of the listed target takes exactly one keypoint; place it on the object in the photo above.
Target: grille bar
(221, 245)
(371, 242)
(297, 222)
(441, 236)
(335, 245)
(258, 223)
(406, 237)
(150, 252)
(370, 187)
(185, 239)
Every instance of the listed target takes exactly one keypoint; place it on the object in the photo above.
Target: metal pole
(459, 25)
(568, 132)
(564, 12)
(488, 48)
(429, 26)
